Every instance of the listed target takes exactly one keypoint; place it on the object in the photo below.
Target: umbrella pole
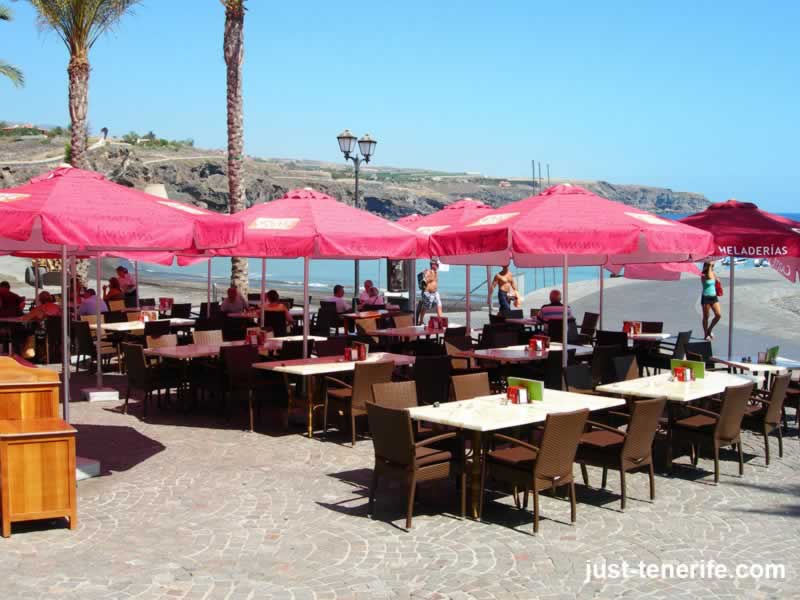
(208, 292)
(99, 330)
(136, 279)
(565, 311)
(488, 285)
(411, 265)
(35, 279)
(64, 333)
(74, 275)
(305, 307)
(602, 285)
(357, 277)
(730, 311)
(263, 283)
(469, 307)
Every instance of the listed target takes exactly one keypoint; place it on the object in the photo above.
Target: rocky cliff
(198, 176)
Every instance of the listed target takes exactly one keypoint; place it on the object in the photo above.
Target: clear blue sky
(694, 95)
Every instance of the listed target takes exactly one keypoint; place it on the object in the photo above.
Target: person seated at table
(374, 299)
(274, 304)
(553, 310)
(113, 291)
(89, 304)
(342, 306)
(127, 282)
(11, 304)
(233, 303)
(46, 307)
(364, 296)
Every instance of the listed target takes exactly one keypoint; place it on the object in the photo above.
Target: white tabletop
(487, 413)
(412, 331)
(782, 365)
(519, 354)
(657, 386)
(128, 326)
(326, 365)
(649, 337)
(365, 314)
(524, 321)
(190, 351)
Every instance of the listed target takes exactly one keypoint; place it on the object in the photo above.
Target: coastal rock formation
(198, 176)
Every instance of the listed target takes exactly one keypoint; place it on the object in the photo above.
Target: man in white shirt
(233, 303)
(363, 297)
(342, 306)
(89, 304)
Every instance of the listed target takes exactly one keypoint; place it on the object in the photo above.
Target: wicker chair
(331, 347)
(350, 401)
(603, 362)
(85, 347)
(612, 338)
(181, 311)
(147, 379)
(211, 337)
(792, 401)
(432, 378)
(155, 328)
(764, 414)
(403, 320)
(472, 385)
(397, 456)
(631, 450)
(240, 377)
(719, 429)
(162, 341)
(578, 379)
(588, 327)
(540, 468)
(625, 368)
(659, 360)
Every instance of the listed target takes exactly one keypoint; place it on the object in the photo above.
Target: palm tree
(233, 46)
(7, 70)
(79, 24)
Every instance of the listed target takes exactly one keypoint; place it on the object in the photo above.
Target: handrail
(472, 291)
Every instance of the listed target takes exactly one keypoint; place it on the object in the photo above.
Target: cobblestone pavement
(194, 507)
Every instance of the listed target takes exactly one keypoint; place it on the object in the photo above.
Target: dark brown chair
(432, 377)
(612, 338)
(624, 451)
(147, 379)
(588, 327)
(276, 321)
(395, 394)
(241, 378)
(793, 401)
(85, 347)
(763, 415)
(652, 326)
(717, 429)
(397, 456)
(156, 329)
(181, 311)
(660, 358)
(350, 401)
(624, 368)
(578, 379)
(472, 385)
(331, 347)
(533, 468)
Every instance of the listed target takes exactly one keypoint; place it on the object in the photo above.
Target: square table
(310, 368)
(487, 413)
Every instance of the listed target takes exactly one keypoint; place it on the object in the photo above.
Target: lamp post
(366, 147)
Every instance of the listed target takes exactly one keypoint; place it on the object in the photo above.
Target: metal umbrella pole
(730, 310)
(468, 307)
(208, 292)
(602, 285)
(263, 283)
(65, 333)
(136, 278)
(565, 310)
(99, 330)
(306, 260)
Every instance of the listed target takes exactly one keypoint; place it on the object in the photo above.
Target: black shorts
(708, 300)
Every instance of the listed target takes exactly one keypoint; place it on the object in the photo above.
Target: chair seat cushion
(697, 422)
(600, 438)
(340, 393)
(430, 456)
(517, 456)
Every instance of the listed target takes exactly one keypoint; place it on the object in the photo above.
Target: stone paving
(194, 507)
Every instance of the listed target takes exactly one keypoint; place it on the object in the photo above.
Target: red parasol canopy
(306, 223)
(89, 214)
(569, 221)
(656, 271)
(456, 214)
(742, 229)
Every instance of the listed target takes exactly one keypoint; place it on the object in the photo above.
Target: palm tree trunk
(78, 71)
(234, 56)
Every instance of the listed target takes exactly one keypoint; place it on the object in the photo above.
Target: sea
(287, 274)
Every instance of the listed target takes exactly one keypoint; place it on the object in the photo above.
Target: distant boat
(736, 261)
(760, 262)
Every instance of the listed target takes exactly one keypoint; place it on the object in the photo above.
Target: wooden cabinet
(27, 392)
(37, 471)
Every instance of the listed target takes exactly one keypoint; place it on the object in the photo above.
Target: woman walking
(709, 301)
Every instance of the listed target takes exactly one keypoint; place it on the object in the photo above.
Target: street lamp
(366, 147)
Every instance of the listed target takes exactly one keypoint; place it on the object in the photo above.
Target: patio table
(410, 332)
(519, 354)
(310, 368)
(487, 413)
(135, 326)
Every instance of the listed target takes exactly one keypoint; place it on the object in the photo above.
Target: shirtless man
(429, 284)
(504, 281)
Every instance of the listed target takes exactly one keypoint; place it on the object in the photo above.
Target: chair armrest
(618, 414)
(434, 439)
(709, 413)
(515, 441)
(606, 427)
(338, 382)
(760, 400)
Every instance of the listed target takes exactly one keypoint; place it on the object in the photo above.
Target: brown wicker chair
(398, 394)
(146, 378)
(470, 386)
(719, 429)
(578, 379)
(792, 401)
(398, 456)
(351, 400)
(631, 450)
(538, 468)
(588, 327)
(764, 414)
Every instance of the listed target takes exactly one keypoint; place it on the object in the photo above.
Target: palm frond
(12, 73)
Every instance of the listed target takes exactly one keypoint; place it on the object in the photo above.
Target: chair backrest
(156, 328)
(331, 347)
(398, 394)
(114, 317)
(729, 423)
(327, 305)
(287, 302)
(212, 337)
(237, 362)
(404, 320)
(562, 432)
(642, 429)
(603, 362)
(147, 302)
(326, 320)
(366, 326)
(52, 326)
(680, 344)
(496, 318)
(254, 297)
(293, 349)
(82, 335)
(91, 319)
(116, 305)
(133, 315)
(500, 338)
(699, 351)
(432, 378)
(392, 434)
(163, 341)
(589, 323)
(579, 378)
(135, 365)
(652, 326)
(556, 332)
(209, 310)
(426, 348)
(233, 329)
(276, 321)
(457, 344)
(516, 313)
(451, 332)
(181, 311)
(553, 370)
(624, 368)
(471, 385)
(365, 376)
(611, 338)
(777, 395)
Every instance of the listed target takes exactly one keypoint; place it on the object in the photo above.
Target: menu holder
(360, 350)
(253, 335)
(632, 327)
(148, 315)
(539, 343)
(771, 356)
(687, 370)
(165, 305)
(434, 323)
(534, 390)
